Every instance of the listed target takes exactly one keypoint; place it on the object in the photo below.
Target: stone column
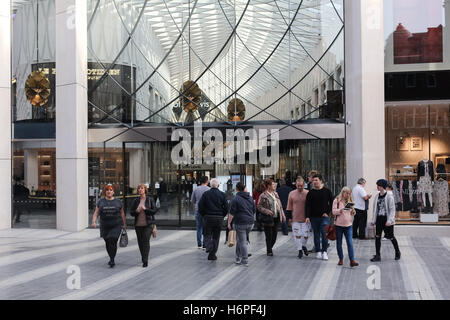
(364, 79)
(5, 115)
(71, 116)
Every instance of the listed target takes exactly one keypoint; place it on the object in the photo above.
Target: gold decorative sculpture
(191, 96)
(236, 110)
(37, 89)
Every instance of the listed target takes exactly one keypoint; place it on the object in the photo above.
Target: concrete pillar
(136, 167)
(364, 79)
(5, 115)
(31, 168)
(71, 116)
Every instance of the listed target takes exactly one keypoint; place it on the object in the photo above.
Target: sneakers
(325, 256)
(319, 255)
(376, 258)
(237, 261)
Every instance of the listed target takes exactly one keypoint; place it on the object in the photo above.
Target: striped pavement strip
(416, 276)
(57, 267)
(225, 277)
(325, 280)
(37, 253)
(445, 242)
(110, 282)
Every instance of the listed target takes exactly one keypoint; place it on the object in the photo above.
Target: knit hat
(382, 183)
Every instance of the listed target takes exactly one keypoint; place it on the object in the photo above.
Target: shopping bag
(123, 242)
(231, 238)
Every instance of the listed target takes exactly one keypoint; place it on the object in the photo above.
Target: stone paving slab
(33, 265)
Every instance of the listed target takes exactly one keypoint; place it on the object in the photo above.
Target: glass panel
(179, 73)
(418, 134)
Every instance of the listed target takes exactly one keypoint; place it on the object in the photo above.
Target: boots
(341, 262)
(353, 264)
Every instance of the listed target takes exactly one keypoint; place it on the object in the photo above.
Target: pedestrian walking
(311, 174)
(143, 210)
(269, 204)
(360, 197)
(384, 219)
(213, 207)
(319, 203)
(283, 192)
(258, 189)
(296, 208)
(242, 217)
(344, 214)
(196, 196)
(112, 221)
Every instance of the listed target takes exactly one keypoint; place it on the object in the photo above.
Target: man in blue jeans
(242, 215)
(319, 205)
(196, 196)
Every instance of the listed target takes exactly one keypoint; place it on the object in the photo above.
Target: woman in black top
(143, 210)
(112, 221)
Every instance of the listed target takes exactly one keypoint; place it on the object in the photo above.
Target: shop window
(411, 80)
(431, 81)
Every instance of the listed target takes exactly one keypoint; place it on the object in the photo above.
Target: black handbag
(123, 242)
(266, 219)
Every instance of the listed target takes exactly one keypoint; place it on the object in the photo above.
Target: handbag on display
(158, 203)
(231, 238)
(123, 242)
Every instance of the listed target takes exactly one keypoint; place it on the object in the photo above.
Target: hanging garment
(441, 198)
(395, 191)
(415, 198)
(405, 196)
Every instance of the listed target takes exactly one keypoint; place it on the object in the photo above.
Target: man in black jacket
(213, 207)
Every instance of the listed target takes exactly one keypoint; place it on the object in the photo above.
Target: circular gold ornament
(37, 89)
(191, 96)
(236, 110)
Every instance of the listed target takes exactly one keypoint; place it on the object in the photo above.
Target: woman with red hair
(112, 221)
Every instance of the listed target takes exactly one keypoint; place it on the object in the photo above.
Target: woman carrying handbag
(269, 205)
(344, 212)
(143, 210)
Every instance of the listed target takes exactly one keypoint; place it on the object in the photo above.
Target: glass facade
(170, 64)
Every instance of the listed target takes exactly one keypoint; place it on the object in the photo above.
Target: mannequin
(440, 192)
(425, 176)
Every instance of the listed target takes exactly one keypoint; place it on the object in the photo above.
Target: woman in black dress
(143, 210)
(112, 221)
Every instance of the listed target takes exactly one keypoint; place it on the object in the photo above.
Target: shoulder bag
(123, 242)
(330, 230)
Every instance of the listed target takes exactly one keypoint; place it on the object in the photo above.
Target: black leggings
(271, 234)
(111, 247)
(143, 236)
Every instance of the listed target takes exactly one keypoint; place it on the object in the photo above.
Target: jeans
(347, 232)
(359, 224)
(318, 226)
(199, 223)
(242, 230)
(213, 226)
(143, 238)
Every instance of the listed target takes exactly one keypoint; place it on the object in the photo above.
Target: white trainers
(319, 255)
(325, 256)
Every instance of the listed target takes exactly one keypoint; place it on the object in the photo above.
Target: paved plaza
(36, 264)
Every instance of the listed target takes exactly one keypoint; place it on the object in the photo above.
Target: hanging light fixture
(37, 89)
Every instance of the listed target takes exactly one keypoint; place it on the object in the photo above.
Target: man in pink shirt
(296, 206)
